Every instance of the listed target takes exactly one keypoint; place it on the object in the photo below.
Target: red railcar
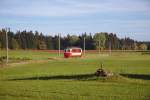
(72, 52)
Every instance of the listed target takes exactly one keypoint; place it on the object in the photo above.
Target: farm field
(48, 76)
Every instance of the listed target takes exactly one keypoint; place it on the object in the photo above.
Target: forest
(38, 41)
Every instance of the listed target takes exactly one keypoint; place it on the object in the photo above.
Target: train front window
(67, 50)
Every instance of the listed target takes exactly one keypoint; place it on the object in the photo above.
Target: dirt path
(22, 63)
(27, 62)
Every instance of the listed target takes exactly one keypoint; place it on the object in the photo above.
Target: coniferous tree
(34, 40)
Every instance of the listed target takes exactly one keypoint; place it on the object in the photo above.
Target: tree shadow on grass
(137, 76)
(59, 77)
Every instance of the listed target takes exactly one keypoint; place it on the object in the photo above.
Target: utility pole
(134, 46)
(110, 48)
(7, 29)
(84, 45)
(59, 42)
(99, 44)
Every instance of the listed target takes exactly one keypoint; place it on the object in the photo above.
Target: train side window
(76, 50)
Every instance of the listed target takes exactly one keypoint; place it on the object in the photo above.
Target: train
(72, 52)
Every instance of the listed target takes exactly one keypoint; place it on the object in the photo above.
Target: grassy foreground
(72, 79)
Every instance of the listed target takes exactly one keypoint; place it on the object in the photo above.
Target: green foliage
(0, 45)
(49, 43)
(72, 39)
(15, 44)
(3, 38)
(143, 47)
(42, 45)
(100, 39)
(2, 58)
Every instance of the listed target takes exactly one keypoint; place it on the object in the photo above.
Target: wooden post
(110, 48)
(59, 43)
(99, 44)
(7, 58)
(84, 45)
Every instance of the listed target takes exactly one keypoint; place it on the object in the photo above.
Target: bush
(2, 58)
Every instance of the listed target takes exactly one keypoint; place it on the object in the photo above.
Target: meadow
(48, 76)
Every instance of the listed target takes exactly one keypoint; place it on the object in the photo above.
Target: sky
(126, 18)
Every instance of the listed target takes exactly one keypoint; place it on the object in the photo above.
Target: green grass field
(72, 79)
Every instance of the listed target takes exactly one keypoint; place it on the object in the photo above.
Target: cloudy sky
(130, 18)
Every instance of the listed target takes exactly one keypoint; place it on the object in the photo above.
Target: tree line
(36, 40)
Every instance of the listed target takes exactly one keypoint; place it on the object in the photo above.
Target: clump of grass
(145, 53)
(114, 78)
(24, 58)
(13, 59)
(2, 58)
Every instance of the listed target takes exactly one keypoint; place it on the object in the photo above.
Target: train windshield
(67, 50)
